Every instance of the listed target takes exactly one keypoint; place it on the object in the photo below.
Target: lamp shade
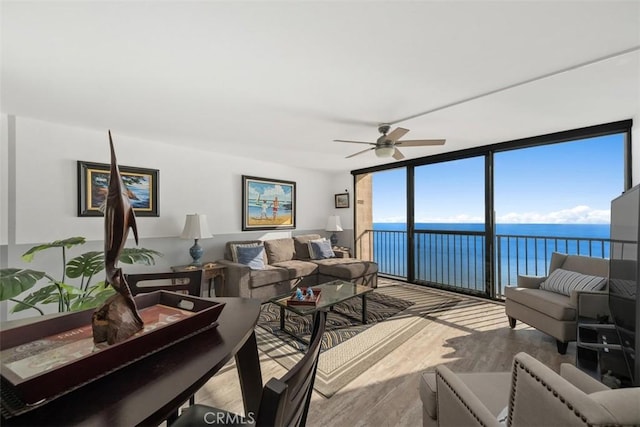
(196, 227)
(333, 223)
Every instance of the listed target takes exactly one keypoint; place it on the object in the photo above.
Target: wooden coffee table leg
(364, 309)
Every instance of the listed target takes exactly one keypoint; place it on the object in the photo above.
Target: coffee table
(331, 293)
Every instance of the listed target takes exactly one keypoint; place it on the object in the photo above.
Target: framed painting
(342, 200)
(93, 184)
(268, 204)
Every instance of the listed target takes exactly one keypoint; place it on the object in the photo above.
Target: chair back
(285, 401)
(175, 281)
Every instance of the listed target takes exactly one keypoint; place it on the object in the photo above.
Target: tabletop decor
(268, 204)
(141, 185)
(196, 227)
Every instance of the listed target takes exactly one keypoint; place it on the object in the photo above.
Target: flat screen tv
(624, 275)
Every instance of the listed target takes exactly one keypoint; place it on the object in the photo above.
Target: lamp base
(196, 253)
(334, 239)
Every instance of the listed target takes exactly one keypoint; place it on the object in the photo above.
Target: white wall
(190, 181)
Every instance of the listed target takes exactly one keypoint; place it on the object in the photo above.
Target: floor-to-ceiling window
(459, 220)
(449, 213)
(554, 197)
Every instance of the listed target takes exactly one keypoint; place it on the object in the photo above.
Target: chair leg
(562, 346)
(192, 400)
(512, 322)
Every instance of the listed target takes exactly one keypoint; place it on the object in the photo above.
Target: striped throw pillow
(564, 281)
(234, 249)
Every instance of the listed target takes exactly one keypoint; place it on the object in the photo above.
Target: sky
(566, 183)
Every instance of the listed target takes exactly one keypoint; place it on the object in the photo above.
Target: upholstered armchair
(550, 303)
(530, 395)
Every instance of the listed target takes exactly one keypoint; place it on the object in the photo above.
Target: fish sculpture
(118, 318)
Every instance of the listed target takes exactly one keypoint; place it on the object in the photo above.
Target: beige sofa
(552, 312)
(288, 264)
(530, 395)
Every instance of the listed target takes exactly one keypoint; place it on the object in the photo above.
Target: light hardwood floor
(467, 338)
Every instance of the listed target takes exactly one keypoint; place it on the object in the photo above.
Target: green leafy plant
(85, 267)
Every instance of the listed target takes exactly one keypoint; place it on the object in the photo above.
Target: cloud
(576, 215)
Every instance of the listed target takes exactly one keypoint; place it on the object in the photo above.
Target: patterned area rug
(350, 348)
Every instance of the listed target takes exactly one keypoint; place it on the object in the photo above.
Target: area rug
(350, 348)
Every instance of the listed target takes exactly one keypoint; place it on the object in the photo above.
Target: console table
(212, 272)
(150, 390)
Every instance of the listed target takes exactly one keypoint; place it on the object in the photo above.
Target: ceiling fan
(387, 144)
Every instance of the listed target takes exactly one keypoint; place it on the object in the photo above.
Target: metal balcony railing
(457, 259)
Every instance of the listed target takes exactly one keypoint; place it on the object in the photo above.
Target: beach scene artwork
(268, 203)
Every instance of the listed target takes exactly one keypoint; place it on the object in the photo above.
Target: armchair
(530, 395)
(551, 311)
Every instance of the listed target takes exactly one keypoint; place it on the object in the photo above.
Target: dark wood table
(150, 390)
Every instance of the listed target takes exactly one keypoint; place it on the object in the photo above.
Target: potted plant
(69, 297)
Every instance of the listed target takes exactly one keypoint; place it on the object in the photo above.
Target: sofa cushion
(251, 256)
(565, 281)
(320, 249)
(301, 245)
(279, 250)
(345, 268)
(298, 268)
(617, 403)
(268, 276)
(553, 304)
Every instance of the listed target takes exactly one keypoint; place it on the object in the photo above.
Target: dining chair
(285, 401)
(176, 281)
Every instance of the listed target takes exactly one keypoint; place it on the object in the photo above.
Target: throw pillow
(251, 256)
(564, 281)
(320, 249)
(234, 249)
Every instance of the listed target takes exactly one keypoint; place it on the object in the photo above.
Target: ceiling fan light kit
(385, 151)
(387, 144)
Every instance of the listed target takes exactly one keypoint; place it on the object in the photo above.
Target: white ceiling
(279, 81)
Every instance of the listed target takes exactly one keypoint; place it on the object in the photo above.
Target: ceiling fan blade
(353, 142)
(398, 155)
(420, 142)
(396, 134)
(360, 152)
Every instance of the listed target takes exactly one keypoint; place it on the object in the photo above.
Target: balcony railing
(457, 259)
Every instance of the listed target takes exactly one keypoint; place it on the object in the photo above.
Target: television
(624, 276)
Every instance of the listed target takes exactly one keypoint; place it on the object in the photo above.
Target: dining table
(150, 390)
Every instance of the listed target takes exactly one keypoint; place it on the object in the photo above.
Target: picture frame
(93, 180)
(268, 204)
(342, 200)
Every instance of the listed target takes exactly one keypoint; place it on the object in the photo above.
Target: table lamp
(196, 227)
(333, 224)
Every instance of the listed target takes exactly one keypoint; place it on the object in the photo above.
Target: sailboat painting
(268, 204)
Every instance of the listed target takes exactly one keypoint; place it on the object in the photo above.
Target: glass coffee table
(331, 293)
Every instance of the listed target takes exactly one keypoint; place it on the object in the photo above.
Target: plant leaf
(93, 300)
(14, 281)
(45, 295)
(87, 264)
(66, 243)
(139, 256)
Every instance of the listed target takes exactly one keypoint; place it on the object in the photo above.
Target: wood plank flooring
(470, 337)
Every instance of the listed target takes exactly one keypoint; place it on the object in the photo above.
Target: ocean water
(453, 254)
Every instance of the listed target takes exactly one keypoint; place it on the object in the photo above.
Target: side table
(212, 272)
(341, 252)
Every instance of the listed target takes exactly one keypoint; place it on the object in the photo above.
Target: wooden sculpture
(118, 318)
